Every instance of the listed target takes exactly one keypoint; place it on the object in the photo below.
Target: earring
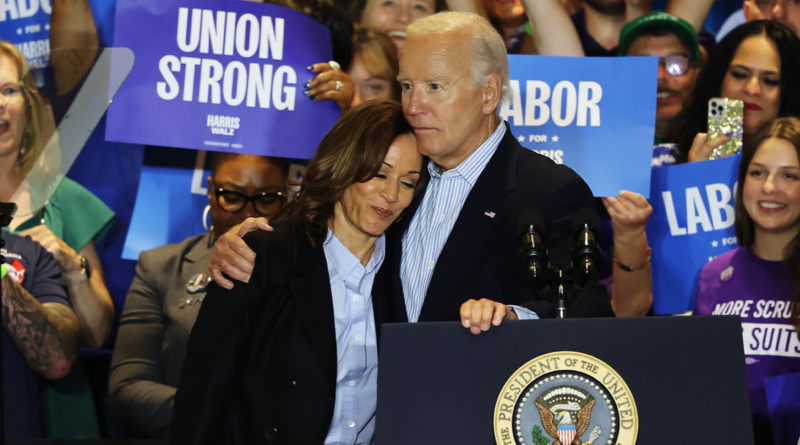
(205, 215)
(22, 150)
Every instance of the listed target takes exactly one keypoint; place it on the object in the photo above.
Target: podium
(685, 379)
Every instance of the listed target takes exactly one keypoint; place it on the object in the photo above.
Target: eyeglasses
(9, 92)
(263, 203)
(676, 64)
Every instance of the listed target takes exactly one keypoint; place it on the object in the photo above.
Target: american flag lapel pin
(490, 214)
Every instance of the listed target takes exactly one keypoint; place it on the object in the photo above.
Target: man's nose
(415, 103)
(663, 75)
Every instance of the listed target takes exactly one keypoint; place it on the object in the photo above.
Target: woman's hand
(702, 148)
(68, 260)
(628, 213)
(324, 86)
(233, 256)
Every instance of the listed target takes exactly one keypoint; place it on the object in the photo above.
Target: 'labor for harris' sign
(220, 75)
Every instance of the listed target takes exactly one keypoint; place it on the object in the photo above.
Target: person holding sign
(292, 356)
(756, 63)
(170, 284)
(760, 280)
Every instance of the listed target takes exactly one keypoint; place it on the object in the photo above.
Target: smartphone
(726, 116)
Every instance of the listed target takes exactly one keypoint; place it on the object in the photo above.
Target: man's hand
(481, 315)
(233, 256)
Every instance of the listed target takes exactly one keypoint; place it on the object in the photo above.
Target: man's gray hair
(487, 48)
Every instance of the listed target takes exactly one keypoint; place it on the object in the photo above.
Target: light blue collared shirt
(356, 342)
(434, 220)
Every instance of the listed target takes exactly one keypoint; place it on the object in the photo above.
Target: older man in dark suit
(454, 256)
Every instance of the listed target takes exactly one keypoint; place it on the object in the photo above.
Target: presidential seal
(565, 398)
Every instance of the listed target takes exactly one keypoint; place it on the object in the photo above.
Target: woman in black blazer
(291, 356)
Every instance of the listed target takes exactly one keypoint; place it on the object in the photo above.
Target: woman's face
(12, 115)
(369, 208)
(754, 76)
(504, 9)
(248, 175)
(392, 16)
(772, 187)
(367, 86)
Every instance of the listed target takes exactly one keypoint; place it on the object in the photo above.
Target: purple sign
(220, 75)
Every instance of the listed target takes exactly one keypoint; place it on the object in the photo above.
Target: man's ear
(492, 91)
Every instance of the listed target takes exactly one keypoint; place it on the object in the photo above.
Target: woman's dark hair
(332, 17)
(709, 83)
(787, 128)
(352, 152)
(357, 8)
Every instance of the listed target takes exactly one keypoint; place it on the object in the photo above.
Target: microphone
(532, 253)
(587, 255)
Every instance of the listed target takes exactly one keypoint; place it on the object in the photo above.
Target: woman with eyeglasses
(758, 63)
(169, 288)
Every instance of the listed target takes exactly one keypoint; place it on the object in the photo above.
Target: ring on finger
(339, 85)
(335, 65)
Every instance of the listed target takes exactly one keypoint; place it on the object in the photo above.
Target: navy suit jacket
(479, 259)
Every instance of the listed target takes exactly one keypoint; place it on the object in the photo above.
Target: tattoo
(47, 336)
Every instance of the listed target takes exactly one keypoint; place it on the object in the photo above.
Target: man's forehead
(647, 44)
(430, 56)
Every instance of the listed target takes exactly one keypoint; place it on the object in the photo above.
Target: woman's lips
(751, 107)
(4, 127)
(383, 213)
(771, 206)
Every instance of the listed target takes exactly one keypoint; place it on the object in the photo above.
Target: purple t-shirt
(740, 283)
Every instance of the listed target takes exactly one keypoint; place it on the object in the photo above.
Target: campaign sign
(172, 199)
(26, 24)
(596, 115)
(220, 75)
(691, 224)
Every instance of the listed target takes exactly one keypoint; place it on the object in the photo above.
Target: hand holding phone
(725, 117)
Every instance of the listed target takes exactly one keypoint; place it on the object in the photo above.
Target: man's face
(783, 11)
(440, 99)
(674, 92)
(608, 7)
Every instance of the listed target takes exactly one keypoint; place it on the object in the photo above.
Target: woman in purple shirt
(760, 281)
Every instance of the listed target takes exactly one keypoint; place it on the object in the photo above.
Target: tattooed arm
(45, 334)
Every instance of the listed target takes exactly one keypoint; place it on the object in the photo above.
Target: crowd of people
(268, 325)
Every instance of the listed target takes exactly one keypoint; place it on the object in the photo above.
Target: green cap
(682, 29)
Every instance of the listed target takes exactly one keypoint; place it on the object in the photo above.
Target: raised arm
(632, 294)
(693, 11)
(45, 334)
(74, 41)
(552, 28)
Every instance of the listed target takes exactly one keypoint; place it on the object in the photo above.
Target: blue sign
(220, 75)
(26, 24)
(596, 115)
(691, 224)
(172, 199)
